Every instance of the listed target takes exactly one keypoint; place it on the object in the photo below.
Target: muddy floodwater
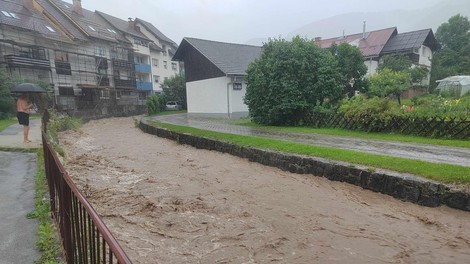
(170, 203)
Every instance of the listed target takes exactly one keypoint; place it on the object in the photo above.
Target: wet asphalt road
(17, 233)
(437, 154)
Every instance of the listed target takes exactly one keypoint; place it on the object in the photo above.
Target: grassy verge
(4, 123)
(170, 112)
(48, 242)
(365, 135)
(437, 171)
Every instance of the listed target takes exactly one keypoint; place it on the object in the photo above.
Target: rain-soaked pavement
(437, 154)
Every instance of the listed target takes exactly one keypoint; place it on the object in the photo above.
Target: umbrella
(28, 88)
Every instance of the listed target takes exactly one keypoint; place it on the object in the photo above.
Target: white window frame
(92, 28)
(156, 79)
(174, 66)
(165, 65)
(50, 29)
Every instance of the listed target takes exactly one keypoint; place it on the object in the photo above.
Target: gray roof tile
(232, 59)
(156, 32)
(121, 25)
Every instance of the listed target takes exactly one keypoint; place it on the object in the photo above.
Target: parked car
(173, 105)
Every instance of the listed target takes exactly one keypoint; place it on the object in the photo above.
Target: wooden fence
(436, 127)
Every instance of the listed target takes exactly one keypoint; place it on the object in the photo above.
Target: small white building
(215, 76)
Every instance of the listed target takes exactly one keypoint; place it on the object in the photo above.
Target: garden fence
(436, 127)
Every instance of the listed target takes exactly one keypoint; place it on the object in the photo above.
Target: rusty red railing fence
(84, 236)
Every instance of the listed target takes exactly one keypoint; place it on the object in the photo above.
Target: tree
(6, 100)
(351, 66)
(454, 56)
(388, 82)
(289, 80)
(395, 63)
(174, 89)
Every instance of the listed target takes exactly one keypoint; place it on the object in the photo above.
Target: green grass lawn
(445, 173)
(365, 135)
(4, 123)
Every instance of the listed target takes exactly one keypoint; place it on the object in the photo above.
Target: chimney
(364, 30)
(28, 4)
(77, 7)
(317, 39)
(131, 23)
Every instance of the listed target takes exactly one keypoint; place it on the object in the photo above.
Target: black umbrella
(28, 88)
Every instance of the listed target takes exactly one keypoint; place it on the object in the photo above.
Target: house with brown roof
(417, 45)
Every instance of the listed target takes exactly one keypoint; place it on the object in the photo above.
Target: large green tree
(388, 82)
(174, 89)
(454, 56)
(351, 66)
(289, 80)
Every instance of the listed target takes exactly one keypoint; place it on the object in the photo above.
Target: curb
(401, 186)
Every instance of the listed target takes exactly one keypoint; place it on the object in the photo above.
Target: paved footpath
(438, 154)
(17, 189)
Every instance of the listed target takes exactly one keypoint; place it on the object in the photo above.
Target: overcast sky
(239, 20)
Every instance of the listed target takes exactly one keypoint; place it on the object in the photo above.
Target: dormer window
(50, 29)
(10, 14)
(111, 30)
(92, 28)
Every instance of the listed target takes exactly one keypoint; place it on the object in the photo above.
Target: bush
(60, 122)
(289, 80)
(153, 104)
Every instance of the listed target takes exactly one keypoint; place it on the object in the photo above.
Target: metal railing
(85, 237)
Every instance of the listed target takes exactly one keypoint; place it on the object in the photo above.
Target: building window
(156, 78)
(237, 86)
(111, 30)
(100, 51)
(164, 50)
(155, 62)
(104, 94)
(61, 56)
(50, 29)
(173, 66)
(140, 60)
(66, 91)
(10, 14)
(92, 28)
(165, 64)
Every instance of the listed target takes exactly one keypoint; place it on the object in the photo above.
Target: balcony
(143, 68)
(27, 62)
(123, 64)
(145, 86)
(120, 83)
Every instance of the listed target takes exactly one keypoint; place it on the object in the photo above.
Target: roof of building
(230, 58)
(370, 46)
(90, 22)
(55, 13)
(122, 25)
(410, 40)
(158, 34)
(15, 14)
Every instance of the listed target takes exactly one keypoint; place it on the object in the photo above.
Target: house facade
(417, 45)
(215, 76)
(87, 61)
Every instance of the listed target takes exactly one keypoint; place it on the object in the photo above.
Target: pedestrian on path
(22, 113)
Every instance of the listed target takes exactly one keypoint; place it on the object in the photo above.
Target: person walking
(22, 113)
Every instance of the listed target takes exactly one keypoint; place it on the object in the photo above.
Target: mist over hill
(404, 20)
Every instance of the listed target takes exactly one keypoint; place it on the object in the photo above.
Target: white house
(215, 76)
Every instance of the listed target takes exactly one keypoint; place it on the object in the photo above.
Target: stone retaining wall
(402, 186)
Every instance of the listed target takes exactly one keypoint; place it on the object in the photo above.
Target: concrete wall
(208, 96)
(372, 66)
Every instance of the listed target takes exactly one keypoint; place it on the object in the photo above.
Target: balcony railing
(146, 86)
(27, 62)
(143, 68)
(120, 83)
(123, 64)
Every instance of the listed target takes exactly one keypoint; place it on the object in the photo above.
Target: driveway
(17, 233)
(430, 153)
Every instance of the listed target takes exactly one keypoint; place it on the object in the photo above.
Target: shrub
(153, 104)
(289, 80)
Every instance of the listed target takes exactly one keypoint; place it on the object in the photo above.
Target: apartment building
(89, 63)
